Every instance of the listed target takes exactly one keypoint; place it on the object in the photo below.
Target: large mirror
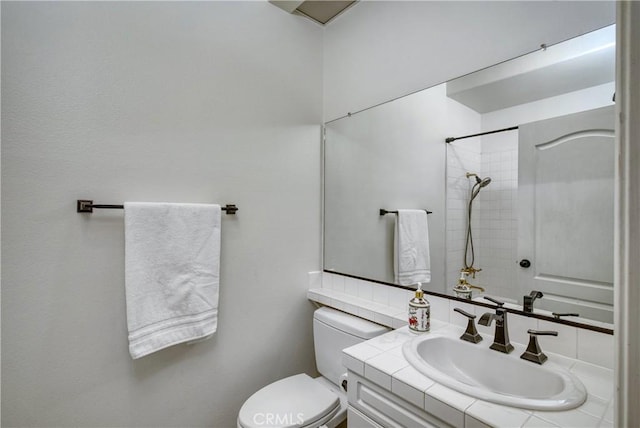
(524, 207)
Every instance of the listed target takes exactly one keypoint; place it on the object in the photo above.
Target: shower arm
(470, 271)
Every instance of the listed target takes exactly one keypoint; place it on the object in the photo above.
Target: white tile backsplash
(596, 348)
(365, 289)
(381, 294)
(315, 279)
(351, 286)
(566, 343)
(367, 300)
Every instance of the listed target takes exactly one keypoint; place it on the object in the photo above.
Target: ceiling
(575, 64)
(320, 11)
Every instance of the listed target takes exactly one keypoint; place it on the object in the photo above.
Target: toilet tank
(332, 332)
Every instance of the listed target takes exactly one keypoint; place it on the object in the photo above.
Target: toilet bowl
(301, 401)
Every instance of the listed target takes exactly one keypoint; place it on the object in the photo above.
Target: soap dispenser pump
(419, 312)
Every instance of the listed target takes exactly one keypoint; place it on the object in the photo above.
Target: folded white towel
(172, 265)
(412, 263)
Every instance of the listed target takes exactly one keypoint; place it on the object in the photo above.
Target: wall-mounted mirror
(542, 205)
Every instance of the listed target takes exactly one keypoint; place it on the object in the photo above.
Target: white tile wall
(462, 157)
(498, 211)
(494, 218)
(387, 305)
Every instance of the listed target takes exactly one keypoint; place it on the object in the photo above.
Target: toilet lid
(296, 401)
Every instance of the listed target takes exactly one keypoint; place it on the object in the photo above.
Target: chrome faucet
(501, 337)
(527, 305)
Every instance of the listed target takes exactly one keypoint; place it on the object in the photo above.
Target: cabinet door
(355, 419)
(386, 409)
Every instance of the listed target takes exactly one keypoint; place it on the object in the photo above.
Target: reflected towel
(412, 262)
(172, 261)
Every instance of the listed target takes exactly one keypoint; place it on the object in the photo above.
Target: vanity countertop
(380, 360)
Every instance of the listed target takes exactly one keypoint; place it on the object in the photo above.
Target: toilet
(301, 401)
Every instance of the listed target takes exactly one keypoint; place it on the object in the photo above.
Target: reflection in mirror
(544, 226)
(556, 191)
(389, 157)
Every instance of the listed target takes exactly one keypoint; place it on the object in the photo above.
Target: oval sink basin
(483, 373)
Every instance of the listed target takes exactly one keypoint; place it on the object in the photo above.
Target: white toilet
(301, 401)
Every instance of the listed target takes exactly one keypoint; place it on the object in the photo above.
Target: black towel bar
(385, 212)
(87, 206)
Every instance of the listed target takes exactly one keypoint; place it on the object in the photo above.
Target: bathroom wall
(154, 101)
(387, 49)
(391, 157)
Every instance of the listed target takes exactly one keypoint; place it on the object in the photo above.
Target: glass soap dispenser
(419, 312)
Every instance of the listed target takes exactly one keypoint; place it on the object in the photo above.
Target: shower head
(480, 183)
(484, 182)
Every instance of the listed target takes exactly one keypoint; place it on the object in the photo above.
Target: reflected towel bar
(87, 206)
(385, 212)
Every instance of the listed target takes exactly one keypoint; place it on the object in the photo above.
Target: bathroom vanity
(385, 390)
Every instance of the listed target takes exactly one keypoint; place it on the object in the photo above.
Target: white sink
(483, 373)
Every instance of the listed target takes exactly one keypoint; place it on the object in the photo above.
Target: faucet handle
(470, 334)
(557, 315)
(492, 300)
(542, 333)
(534, 352)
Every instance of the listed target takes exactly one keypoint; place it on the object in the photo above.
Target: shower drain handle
(524, 263)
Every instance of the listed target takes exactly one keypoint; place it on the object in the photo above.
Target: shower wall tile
(497, 233)
(462, 157)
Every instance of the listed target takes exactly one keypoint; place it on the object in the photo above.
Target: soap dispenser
(419, 312)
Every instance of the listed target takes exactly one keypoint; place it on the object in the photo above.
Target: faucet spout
(501, 337)
(486, 319)
(527, 305)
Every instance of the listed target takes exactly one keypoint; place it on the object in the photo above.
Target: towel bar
(87, 206)
(384, 212)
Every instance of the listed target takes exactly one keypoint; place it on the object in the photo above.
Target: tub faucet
(527, 305)
(501, 337)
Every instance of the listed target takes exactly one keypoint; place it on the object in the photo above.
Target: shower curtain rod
(452, 139)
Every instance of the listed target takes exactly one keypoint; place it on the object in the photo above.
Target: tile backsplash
(387, 305)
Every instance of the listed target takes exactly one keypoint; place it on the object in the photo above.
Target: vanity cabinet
(371, 406)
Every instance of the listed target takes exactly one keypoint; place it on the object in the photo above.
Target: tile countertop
(380, 360)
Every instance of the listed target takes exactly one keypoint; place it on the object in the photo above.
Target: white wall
(385, 49)
(184, 102)
(392, 157)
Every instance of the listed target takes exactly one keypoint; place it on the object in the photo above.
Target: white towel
(172, 265)
(412, 263)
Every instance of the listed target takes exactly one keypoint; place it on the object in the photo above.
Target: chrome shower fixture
(481, 181)
(468, 246)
